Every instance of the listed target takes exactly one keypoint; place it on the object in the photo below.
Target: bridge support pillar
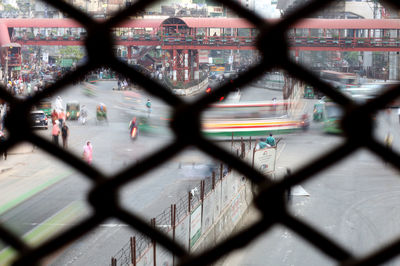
(195, 64)
(129, 48)
(181, 65)
(393, 66)
(186, 65)
(174, 64)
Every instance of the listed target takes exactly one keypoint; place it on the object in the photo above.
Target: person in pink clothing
(88, 152)
(55, 132)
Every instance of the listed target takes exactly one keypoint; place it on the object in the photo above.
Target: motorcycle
(133, 129)
(83, 116)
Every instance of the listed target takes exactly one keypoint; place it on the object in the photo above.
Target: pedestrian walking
(2, 140)
(64, 135)
(61, 117)
(55, 132)
(271, 141)
(54, 116)
(88, 152)
(148, 106)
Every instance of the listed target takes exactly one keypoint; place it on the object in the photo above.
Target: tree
(10, 8)
(75, 52)
(351, 58)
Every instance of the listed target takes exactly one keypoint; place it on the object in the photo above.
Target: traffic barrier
(208, 215)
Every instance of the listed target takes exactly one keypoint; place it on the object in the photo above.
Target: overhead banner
(203, 56)
(264, 160)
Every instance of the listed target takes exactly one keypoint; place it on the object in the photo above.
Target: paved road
(63, 204)
(354, 202)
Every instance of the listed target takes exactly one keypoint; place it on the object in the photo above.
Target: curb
(21, 148)
(265, 87)
(5, 170)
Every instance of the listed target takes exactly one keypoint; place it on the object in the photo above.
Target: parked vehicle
(39, 119)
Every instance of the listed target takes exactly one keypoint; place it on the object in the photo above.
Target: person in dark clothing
(2, 140)
(64, 135)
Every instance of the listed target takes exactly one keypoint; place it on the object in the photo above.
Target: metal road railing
(103, 198)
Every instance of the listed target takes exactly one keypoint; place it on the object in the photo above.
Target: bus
(251, 119)
(45, 106)
(339, 80)
(332, 115)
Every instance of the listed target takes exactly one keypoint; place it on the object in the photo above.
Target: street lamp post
(6, 70)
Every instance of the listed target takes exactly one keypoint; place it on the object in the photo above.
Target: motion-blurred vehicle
(101, 113)
(39, 119)
(318, 111)
(89, 89)
(45, 106)
(332, 115)
(372, 90)
(308, 92)
(339, 80)
(73, 110)
(133, 129)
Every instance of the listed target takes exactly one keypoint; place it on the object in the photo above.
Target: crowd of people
(33, 77)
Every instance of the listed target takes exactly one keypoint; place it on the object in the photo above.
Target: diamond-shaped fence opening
(185, 123)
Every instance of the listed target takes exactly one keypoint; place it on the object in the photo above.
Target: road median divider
(46, 229)
(30, 193)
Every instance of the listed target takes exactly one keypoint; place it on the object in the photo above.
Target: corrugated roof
(70, 23)
(311, 23)
(41, 23)
(217, 23)
(317, 23)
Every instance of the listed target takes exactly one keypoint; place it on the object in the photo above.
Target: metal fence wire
(103, 197)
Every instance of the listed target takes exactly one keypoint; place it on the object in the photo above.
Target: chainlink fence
(103, 198)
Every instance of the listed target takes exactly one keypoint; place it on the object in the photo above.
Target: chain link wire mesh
(103, 198)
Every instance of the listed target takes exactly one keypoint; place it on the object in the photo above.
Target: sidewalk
(24, 175)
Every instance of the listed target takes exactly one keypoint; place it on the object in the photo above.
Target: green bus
(332, 115)
(45, 106)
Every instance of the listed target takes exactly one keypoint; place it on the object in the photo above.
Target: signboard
(217, 69)
(218, 60)
(182, 233)
(208, 212)
(195, 225)
(203, 56)
(66, 62)
(264, 160)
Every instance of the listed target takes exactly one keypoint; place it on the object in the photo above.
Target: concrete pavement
(24, 175)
